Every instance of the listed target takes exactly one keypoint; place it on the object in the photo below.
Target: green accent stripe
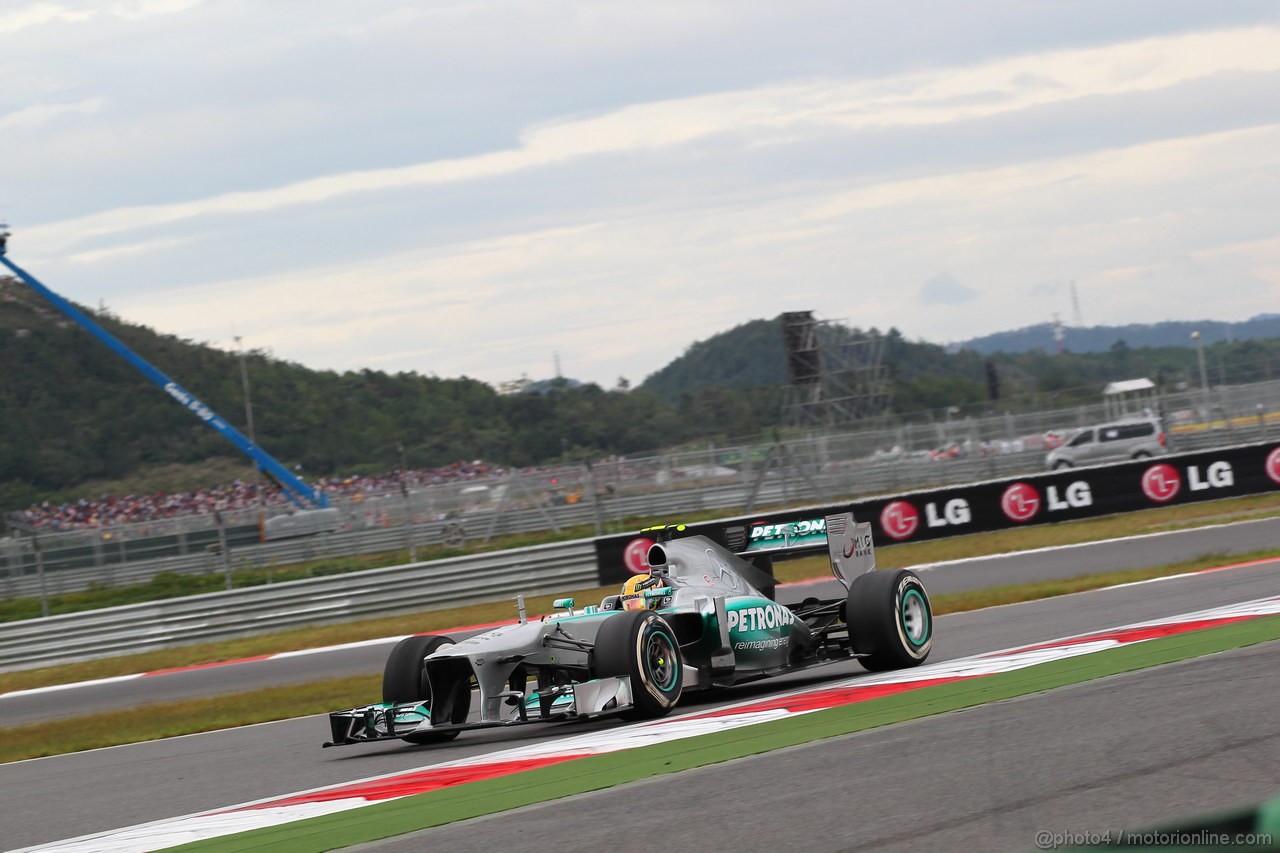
(436, 808)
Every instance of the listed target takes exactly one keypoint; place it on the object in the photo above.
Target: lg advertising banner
(996, 504)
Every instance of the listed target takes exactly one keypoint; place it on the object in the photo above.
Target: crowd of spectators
(109, 510)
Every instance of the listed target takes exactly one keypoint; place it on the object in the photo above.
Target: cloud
(38, 14)
(463, 188)
(133, 249)
(489, 306)
(769, 115)
(29, 118)
(946, 289)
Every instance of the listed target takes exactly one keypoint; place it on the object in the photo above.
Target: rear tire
(1061, 465)
(642, 645)
(404, 680)
(890, 620)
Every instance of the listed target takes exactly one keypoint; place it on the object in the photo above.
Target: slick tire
(404, 680)
(890, 620)
(641, 644)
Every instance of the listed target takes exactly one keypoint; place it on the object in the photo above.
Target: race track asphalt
(960, 576)
(71, 795)
(1127, 752)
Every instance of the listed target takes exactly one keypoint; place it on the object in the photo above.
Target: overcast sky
(466, 188)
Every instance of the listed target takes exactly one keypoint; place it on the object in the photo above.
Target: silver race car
(701, 618)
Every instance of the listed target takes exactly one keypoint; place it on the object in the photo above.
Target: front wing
(386, 721)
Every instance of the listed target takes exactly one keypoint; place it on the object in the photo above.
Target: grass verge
(476, 799)
(168, 719)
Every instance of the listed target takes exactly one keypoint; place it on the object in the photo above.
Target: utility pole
(408, 504)
(1204, 375)
(244, 384)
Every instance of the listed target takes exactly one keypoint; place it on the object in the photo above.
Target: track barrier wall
(1007, 503)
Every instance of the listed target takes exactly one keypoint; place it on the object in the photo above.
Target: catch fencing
(611, 496)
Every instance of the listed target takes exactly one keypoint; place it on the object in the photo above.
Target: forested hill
(926, 378)
(751, 355)
(71, 411)
(1170, 333)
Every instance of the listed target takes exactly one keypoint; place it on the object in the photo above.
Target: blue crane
(293, 487)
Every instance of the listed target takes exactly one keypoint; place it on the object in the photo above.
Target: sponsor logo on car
(810, 531)
(744, 619)
(759, 645)
(1161, 483)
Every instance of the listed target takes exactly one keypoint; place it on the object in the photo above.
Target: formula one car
(700, 619)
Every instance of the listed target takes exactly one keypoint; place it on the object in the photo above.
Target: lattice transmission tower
(837, 374)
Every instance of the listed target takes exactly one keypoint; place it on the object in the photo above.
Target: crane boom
(293, 486)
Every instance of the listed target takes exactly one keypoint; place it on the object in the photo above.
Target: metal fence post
(44, 591)
(408, 509)
(222, 546)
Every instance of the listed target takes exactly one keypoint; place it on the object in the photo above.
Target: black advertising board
(1004, 504)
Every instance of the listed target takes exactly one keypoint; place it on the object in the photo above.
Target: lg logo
(1273, 465)
(899, 519)
(1021, 501)
(636, 555)
(1162, 483)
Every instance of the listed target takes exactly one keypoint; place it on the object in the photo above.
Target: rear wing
(846, 542)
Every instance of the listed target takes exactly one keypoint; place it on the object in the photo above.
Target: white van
(1139, 438)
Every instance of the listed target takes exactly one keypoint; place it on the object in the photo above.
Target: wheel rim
(915, 617)
(661, 661)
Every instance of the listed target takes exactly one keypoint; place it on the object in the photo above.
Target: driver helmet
(633, 593)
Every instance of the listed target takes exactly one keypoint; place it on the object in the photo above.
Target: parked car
(1139, 438)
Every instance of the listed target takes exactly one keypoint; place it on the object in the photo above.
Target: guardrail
(338, 598)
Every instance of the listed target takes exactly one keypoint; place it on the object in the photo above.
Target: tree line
(73, 412)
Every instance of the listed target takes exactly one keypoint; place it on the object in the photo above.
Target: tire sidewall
(654, 628)
(908, 590)
(620, 650)
(875, 615)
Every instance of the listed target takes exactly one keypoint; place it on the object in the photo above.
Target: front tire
(890, 620)
(640, 644)
(404, 680)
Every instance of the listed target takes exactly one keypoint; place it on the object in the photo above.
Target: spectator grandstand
(108, 510)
